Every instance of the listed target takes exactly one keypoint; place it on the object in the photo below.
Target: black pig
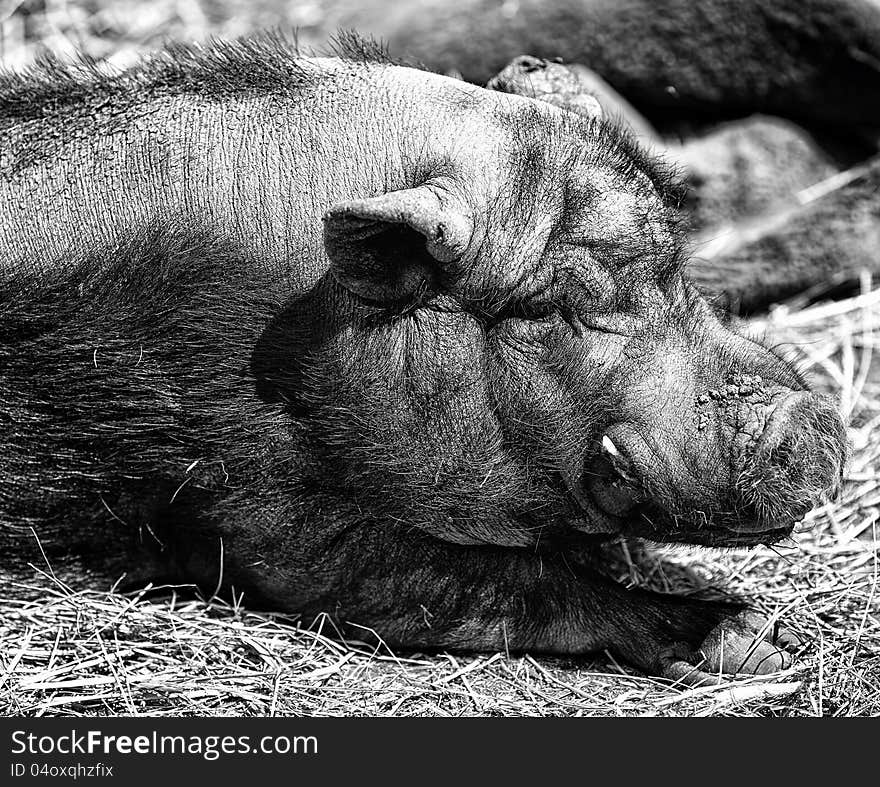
(815, 61)
(357, 338)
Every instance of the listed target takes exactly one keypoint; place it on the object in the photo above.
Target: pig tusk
(608, 445)
(621, 464)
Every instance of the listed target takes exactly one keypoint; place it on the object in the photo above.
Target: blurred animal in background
(678, 62)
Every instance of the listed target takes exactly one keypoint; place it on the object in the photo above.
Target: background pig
(678, 61)
(363, 339)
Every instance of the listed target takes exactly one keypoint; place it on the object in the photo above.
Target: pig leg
(415, 592)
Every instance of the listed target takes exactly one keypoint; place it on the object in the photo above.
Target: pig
(749, 168)
(813, 61)
(574, 87)
(356, 338)
(818, 244)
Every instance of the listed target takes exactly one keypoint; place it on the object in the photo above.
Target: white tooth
(609, 446)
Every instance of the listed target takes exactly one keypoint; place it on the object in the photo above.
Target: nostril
(782, 419)
(807, 430)
(799, 456)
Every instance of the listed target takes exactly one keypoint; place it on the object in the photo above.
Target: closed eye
(576, 242)
(605, 329)
(535, 312)
(609, 323)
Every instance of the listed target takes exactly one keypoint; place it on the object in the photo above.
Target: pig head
(535, 333)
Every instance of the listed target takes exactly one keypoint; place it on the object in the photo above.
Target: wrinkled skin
(405, 414)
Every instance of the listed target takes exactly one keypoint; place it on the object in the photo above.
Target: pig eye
(532, 312)
(571, 319)
(537, 310)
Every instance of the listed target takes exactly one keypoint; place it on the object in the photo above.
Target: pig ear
(387, 247)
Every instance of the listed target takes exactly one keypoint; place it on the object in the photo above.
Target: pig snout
(783, 456)
(798, 457)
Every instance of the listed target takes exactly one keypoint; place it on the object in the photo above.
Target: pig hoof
(746, 644)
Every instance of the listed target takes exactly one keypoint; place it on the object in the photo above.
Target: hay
(68, 651)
